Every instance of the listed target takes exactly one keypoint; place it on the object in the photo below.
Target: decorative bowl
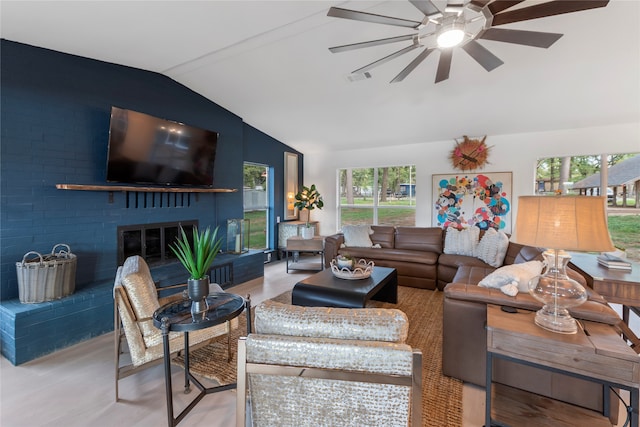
(361, 270)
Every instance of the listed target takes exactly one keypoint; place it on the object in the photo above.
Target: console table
(176, 316)
(596, 353)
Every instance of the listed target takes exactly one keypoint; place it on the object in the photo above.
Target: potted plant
(197, 259)
(345, 261)
(308, 199)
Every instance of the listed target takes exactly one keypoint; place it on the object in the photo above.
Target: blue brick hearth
(33, 330)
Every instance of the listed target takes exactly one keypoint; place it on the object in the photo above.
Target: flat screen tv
(148, 150)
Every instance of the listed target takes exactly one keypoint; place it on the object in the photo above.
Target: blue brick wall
(54, 112)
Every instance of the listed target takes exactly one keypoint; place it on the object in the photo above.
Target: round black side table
(176, 317)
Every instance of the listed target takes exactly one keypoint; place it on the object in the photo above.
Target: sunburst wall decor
(469, 154)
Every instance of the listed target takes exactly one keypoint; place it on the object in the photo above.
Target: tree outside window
(384, 196)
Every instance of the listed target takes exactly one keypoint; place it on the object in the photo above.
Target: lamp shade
(574, 223)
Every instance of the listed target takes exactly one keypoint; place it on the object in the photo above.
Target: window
(384, 196)
(581, 175)
(256, 204)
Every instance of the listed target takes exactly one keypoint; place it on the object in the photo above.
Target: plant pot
(307, 232)
(344, 263)
(198, 289)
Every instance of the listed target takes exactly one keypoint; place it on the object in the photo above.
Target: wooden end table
(616, 286)
(297, 245)
(596, 353)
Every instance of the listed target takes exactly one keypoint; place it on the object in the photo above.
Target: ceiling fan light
(450, 37)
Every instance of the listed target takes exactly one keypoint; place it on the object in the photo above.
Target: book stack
(614, 262)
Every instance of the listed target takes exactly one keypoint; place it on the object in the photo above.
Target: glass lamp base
(557, 292)
(558, 320)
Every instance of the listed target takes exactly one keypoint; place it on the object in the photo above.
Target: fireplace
(151, 241)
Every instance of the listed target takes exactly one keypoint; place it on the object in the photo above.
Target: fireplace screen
(151, 241)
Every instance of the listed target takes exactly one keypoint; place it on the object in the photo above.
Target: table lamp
(559, 223)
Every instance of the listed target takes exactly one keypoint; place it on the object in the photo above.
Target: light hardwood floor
(74, 386)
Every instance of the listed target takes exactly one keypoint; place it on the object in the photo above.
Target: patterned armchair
(311, 366)
(135, 299)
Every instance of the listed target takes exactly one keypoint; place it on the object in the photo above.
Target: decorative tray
(361, 270)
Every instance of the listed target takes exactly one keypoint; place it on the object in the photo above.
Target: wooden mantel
(82, 187)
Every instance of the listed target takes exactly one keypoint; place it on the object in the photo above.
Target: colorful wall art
(464, 200)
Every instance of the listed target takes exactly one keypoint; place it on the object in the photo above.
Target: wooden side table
(616, 286)
(287, 229)
(596, 353)
(297, 245)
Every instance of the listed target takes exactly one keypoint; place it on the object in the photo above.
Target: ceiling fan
(461, 23)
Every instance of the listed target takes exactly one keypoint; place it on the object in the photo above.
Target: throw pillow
(517, 274)
(510, 289)
(461, 242)
(357, 236)
(492, 248)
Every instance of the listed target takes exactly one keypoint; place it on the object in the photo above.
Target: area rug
(441, 395)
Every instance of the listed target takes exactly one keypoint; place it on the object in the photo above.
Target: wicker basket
(47, 277)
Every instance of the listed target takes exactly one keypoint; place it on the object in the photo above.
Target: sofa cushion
(461, 242)
(426, 239)
(374, 254)
(357, 236)
(457, 261)
(383, 235)
(472, 274)
(520, 274)
(492, 248)
(519, 253)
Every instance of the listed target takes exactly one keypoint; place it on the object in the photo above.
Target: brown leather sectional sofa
(417, 254)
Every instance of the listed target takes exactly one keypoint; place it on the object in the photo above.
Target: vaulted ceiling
(269, 63)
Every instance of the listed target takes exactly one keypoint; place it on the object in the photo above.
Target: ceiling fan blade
(444, 66)
(498, 6)
(347, 47)
(542, 10)
(386, 59)
(412, 65)
(338, 12)
(527, 38)
(426, 7)
(485, 58)
(477, 5)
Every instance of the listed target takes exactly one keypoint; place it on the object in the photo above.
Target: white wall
(516, 153)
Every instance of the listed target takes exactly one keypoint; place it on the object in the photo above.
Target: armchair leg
(117, 343)
(229, 356)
